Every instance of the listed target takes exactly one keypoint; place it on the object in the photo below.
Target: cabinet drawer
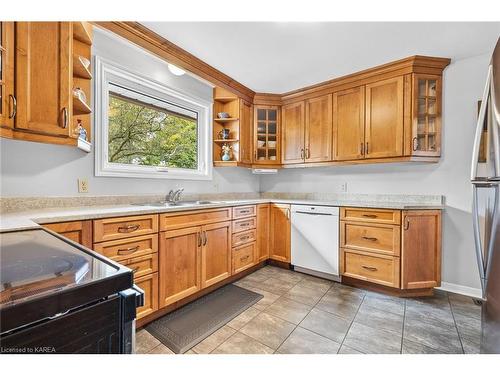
(378, 238)
(243, 237)
(244, 224)
(244, 211)
(124, 227)
(380, 269)
(370, 215)
(149, 284)
(178, 220)
(142, 266)
(121, 250)
(243, 257)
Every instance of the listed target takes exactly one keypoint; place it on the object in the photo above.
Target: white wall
(463, 85)
(35, 169)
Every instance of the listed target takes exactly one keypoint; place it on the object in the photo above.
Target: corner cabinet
(279, 244)
(266, 135)
(246, 130)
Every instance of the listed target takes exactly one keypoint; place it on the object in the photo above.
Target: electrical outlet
(83, 185)
(343, 187)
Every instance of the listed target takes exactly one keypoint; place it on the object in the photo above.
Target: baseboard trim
(460, 289)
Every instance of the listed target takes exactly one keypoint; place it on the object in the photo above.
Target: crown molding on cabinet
(151, 41)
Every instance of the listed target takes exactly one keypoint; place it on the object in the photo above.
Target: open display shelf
(225, 101)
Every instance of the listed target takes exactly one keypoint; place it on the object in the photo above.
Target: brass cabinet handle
(308, 153)
(302, 156)
(128, 228)
(199, 239)
(244, 258)
(255, 155)
(134, 270)
(361, 148)
(288, 214)
(369, 268)
(367, 148)
(244, 238)
(205, 238)
(13, 99)
(407, 223)
(371, 216)
(65, 118)
(130, 250)
(244, 211)
(369, 238)
(415, 144)
(244, 224)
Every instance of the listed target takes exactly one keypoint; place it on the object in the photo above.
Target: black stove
(48, 283)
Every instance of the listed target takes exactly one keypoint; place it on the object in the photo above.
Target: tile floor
(304, 314)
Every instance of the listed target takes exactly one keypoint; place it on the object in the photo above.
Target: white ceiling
(277, 57)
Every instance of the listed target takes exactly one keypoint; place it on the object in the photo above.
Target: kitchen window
(145, 129)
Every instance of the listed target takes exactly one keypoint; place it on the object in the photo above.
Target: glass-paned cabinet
(426, 115)
(266, 135)
(7, 100)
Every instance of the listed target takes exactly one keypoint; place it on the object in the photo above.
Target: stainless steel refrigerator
(485, 177)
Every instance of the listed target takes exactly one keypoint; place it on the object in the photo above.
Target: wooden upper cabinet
(318, 129)
(180, 264)
(279, 244)
(245, 132)
(77, 231)
(43, 77)
(293, 130)
(349, 124)
(216, 253)
(426, 116)
(7, 99)
(384, 118)
(266, 136)
(263, 221)
(421, 249)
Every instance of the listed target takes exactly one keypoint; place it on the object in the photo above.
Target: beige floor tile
(243, 318)
(346, 350)
(302, 341)
(268, 299)
(161, 349)
(145, 342)
(289, 310)
(304, 295)
(326, 324)
(268, 329)
(276, 286)
(214, 340)
(343, 305)
(242, 344)
(316, 283)
(372, 341)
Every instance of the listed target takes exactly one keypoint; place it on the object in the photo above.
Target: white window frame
(107, 72)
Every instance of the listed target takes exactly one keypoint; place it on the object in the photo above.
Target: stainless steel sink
(177, 204)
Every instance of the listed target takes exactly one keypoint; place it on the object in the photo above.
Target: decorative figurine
(226, 152)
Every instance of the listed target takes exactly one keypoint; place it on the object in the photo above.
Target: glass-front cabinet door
(426, 139)
(267, 135)
(7, 99)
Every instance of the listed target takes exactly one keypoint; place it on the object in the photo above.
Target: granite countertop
(33, 218)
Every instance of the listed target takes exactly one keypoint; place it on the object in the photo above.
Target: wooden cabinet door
(77, 231)
(293, 127)
(263, 221)
(246, 132)
(280, 232)
(384, 118)
(318, 129)
(180, 264)
(7, 74)
(44, 76)
(349, 124)
(216, 253)
(421, 250)
(149, 284)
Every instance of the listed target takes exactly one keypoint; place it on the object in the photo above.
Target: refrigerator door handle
(477, 239)
(479, 126)
(492, 242)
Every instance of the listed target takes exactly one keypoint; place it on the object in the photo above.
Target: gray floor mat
(187, 326)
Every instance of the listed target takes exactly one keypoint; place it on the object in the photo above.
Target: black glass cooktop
(35, 263)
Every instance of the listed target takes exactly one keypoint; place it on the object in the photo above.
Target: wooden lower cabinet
(243, 257)
(279, 244)
(216, 253)
(77, 231)
(180, 264)
(149, 284)
(263, 231)
(421, 251)
(404, 255)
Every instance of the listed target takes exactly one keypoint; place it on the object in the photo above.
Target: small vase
(226, 157)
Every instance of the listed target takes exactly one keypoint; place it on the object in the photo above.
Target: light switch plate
(83, 185)
(343, 187)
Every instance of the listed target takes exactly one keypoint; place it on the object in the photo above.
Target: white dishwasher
(315, 240)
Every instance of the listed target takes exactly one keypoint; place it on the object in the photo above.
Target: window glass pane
(146, 131)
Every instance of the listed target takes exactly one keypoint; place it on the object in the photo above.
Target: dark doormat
(185, 327)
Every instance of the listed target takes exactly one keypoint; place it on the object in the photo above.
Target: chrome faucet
(174, 196)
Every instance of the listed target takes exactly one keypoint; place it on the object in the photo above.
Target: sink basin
(177, 204)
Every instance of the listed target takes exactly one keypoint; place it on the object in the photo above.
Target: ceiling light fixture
(176, 70)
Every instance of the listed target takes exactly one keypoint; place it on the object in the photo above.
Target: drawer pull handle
(128, 228)
(244, 224)
(371, 216)
(134, 270)
(369, 268)
(130, 250)
(369, 238)
(244, 211)
(244, 258)
(244, 238)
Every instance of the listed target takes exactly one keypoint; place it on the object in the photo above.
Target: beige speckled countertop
(29, 219)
